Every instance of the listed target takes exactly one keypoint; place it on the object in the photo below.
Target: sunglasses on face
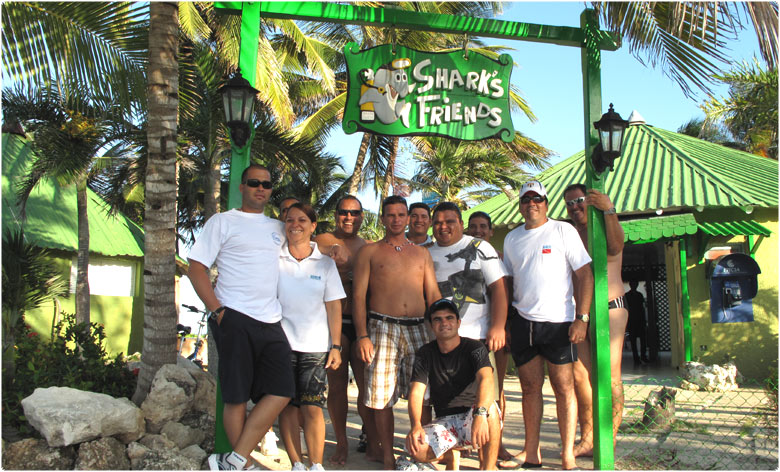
(354, 213)
(574, 201)
(254, 183)
(535, 199)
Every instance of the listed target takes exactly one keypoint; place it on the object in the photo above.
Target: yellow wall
(752, 346)
(121, 317)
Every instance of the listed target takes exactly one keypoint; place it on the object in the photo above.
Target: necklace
(399, 248)
(302, 258)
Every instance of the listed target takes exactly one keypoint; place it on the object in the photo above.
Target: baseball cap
(442, 304)
(533, 186)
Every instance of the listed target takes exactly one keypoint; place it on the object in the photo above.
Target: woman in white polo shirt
(310, 293)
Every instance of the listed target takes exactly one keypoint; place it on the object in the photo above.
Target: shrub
(75, 357)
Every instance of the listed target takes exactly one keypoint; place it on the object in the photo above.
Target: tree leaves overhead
(100, 46)
(687, 39)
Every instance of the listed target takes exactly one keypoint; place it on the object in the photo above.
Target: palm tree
(749, 112)
(160, 203)
(712, 132)
(29, 279)
(448, 168)
(69, 133)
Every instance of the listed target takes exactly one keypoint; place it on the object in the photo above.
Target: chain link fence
(666, 427)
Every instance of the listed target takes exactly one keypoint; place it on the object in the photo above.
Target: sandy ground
(513, 435)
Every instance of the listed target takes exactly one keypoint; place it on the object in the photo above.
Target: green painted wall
(752, 346)
(122, 317)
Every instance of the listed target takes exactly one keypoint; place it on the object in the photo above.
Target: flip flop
(514, 464)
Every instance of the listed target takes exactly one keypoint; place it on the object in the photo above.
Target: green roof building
(682, 198)
(116, 249)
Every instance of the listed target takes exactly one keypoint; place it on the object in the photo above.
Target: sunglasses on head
(349, 212)
(254, 183)
(535, 199)
(574, 201)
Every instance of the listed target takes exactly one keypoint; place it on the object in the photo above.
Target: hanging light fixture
(238, 98)
(611, 128)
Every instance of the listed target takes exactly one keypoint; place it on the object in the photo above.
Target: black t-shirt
(451, 377)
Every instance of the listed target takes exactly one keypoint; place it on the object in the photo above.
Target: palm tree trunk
(354, 181)
(82, 260)
(390, 175)
(213, 190)
(160, 316)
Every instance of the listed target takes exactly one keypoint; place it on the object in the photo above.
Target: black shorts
(348, 329)
(550, 340)
(254, 358)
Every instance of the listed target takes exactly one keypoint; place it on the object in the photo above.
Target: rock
(165, 459)
(712, 378)
(102, 454)
(183, 436)
(171, 395)
(204, 423)
(195, 453)
(157, 442)
(206, 390)
(36, 454)
(66, 416)
(136, 450)
(659, 409)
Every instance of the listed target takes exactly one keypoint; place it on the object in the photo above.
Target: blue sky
(550, 79)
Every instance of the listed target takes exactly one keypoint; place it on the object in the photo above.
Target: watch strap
(611, 211)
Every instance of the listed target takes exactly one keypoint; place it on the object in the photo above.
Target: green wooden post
(751, 246)
(239, 160)
(603, 451)
(686, 301)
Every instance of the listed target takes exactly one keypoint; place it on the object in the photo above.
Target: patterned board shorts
(388, 375)
(447, 432)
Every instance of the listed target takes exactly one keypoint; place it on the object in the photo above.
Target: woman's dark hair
(306, 209)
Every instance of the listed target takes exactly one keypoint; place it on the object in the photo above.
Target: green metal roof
(732, 228)
(647, 230)
(659, 170)
(51, 211)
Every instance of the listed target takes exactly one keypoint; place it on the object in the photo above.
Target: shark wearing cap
(381, 90)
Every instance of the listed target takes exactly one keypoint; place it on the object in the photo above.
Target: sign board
(397, 91)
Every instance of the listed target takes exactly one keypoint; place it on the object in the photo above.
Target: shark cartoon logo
(381, 90)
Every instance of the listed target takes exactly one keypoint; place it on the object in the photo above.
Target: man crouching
(459, 378)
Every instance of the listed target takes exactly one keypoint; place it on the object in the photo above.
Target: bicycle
(184, 330)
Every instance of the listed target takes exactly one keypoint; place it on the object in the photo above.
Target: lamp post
(238, 98)
(611, 128)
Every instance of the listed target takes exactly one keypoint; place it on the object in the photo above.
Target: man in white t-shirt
(254, 355)
(552, 288)
(419, 224)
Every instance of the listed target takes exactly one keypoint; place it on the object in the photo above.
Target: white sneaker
(316, 466)
(299, 466)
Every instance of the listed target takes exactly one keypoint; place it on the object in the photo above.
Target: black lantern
(238, 98)
(610, 127)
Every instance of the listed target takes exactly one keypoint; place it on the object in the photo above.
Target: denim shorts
(311, 380)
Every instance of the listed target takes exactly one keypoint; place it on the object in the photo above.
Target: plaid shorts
(388, 375)
(447, 432)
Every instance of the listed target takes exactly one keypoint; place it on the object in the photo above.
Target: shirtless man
(577, 201)
(349, 218)
(399, 277)
(419, 224)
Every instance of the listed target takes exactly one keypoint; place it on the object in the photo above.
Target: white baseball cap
(533, 186)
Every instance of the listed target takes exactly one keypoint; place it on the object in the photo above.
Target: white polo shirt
(484, 268)
(304, 287)
(246, 249)
(541, 262)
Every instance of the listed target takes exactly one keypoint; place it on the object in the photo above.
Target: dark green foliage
(75, 357)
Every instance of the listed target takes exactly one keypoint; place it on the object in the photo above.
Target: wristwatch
(214, 314)
(480, 411)
(336, 347)
(611, 211)
(585, 318)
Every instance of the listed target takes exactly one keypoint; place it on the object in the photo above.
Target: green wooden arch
(591, 42)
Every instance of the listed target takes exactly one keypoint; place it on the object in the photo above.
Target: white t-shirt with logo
(246, 249)
(541, 262)
(304, 287)
(464, 270)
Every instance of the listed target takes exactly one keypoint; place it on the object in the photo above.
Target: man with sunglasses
(551, 283)
(577, 199)
(348, 217)
(254, 355)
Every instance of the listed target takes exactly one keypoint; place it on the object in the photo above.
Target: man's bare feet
(568, 462)
(520, 459)
(583, 449)
(340, 457)
(503, 454)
